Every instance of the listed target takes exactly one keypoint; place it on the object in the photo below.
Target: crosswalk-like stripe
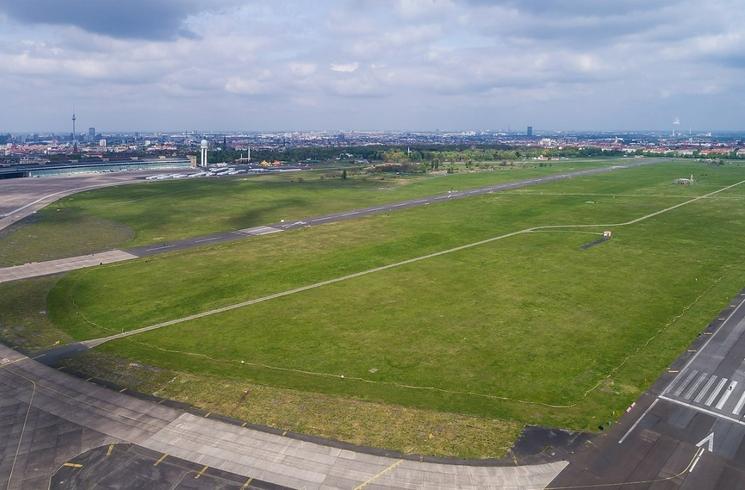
(716, 391)
(695, 385)
(682, 385)
(726, 395)
(706, 387)
(739, 405)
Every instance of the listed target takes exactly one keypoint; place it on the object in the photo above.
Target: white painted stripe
(687, 380)
(695, 385)
(715, 393)
(739, 405)
(620, 441)
(701, 409)
(706, 387)
(726, 395)
(690, 361)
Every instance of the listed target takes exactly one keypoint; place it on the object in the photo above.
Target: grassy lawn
(152, 212)
(530, 329)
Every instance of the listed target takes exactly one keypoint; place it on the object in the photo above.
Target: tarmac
(50, 420)
(22, 197)
(688, 430)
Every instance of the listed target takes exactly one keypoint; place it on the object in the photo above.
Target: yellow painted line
(208, 415)
(386, 470)
(108, 452)
(160, 460)
(244, 424)
(73, 465)
(284, 433)
(248, 482)
(201, 472)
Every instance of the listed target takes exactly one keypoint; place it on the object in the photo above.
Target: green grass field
(153, 212)
(531, 329)
(528, 328)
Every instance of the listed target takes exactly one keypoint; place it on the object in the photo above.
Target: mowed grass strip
(527, 328)
(404, 429)
(153, 212)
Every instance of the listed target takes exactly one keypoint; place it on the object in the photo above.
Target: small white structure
(684, 181)
(203, 160)
(607, 234)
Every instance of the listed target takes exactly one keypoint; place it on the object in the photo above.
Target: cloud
(432, 63)
(344, 67)
(136, 19)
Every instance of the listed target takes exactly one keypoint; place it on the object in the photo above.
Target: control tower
(203, 155)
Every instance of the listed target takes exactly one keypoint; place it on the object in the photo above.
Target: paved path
(49, 417)
(147, 250)
(36, 269)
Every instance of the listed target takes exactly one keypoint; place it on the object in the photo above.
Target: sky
(372, 64)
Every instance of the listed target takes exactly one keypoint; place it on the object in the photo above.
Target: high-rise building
(530, 131)
(91, 133)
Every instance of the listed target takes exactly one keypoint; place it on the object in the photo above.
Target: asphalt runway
(72, 263)
(382, 208)
(688, 430)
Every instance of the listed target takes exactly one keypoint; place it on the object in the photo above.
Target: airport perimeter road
(688, 430)
(49, 418)
(24, 196)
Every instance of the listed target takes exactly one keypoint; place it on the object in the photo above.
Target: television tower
(74, 137)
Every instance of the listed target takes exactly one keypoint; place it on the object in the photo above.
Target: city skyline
(361, 65)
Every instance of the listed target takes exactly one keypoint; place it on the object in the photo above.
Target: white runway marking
(739, 405)
(702, 393)
(711, 337)
(726, 395)
(702, 410)
(698, 382)
(631, 429)
(715, 393)
(687, 380)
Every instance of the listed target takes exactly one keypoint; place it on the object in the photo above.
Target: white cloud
(344, 67)
(434, 58)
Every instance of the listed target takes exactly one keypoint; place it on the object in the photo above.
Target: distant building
(102, 143)
(530, 131)
(91, 134)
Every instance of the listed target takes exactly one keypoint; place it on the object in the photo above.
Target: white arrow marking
(710, 439)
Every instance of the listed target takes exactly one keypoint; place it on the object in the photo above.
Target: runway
(688, 430)
(72, 263)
